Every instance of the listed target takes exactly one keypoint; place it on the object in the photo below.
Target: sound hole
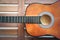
(45, 20)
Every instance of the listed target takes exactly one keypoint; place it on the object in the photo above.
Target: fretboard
(20, 19)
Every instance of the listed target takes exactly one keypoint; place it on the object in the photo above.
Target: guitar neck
(20, 19)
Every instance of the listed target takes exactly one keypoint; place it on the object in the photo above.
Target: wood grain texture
(8, 8)
(8, 32)
(8, 38)
(21, 26)
(8, 14)
(21, 32)
(8, 25)
(8, 1)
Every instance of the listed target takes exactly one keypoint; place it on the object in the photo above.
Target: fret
(32, 19)
(8, 19)
(11, 19)
(39, 20)
(0, 18)
(5, 19)
(15, 19)
(24, 19)
(28, 18)
(20, 19)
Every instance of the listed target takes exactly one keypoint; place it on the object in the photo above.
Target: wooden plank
(8, 24)
(9, 32)
(8, 8)
(21, 26)
(8, 14)
(4, 35)
(8, 38)
(8, 4)
(8, 28)
(8, 1)
(21, 32)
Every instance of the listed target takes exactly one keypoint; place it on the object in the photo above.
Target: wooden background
(14, 31)
(8, 31)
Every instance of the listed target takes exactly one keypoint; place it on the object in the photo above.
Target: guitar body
(37, 9)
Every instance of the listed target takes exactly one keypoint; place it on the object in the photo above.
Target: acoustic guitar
(40, 19)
